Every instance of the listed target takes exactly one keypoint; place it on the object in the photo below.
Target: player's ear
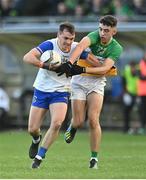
(114, 31)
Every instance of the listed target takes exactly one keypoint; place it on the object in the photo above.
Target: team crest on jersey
(100, 51)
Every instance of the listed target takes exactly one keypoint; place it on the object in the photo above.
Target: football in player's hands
(50, 59)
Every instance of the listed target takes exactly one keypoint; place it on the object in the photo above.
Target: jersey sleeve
(115, 52)
(44, 46)
(93, 36)
(84, 55)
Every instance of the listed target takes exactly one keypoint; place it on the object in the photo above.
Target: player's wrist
(44, 65)
(41, 64)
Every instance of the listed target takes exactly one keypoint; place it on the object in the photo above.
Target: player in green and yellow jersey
(89, 81)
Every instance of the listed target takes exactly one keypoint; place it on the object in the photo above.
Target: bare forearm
(104, 68)
(84, 43)
(91, 59)
(97, 70)
(32, 58)
(76, 53)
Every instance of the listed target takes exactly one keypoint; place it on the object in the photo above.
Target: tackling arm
(107, 65)
(104, 69)
(83, 44)
(93, 60)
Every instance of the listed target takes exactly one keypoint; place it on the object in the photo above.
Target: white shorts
(83, 86)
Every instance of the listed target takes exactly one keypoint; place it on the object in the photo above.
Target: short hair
(108, 20)
(132, 63)
(68, 26)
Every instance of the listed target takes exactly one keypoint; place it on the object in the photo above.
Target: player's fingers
(61, 73)
(54, 63)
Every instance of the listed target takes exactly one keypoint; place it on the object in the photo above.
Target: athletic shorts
(44, 99)
(81, 91)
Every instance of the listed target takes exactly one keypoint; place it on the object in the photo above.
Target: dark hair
(132, 63)
(108, 20)
(68, 26)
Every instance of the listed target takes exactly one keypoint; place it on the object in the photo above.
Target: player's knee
(78, 123)
(93, 124)
(32, 129)
(56, 125)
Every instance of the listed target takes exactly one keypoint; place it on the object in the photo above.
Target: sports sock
(36, 139)
(94, 155)
(42, 151)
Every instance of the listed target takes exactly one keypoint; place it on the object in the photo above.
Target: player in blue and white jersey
(51, 91)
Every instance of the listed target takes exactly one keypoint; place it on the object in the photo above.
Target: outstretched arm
(83, 44)
(93, 60)
(106, 66)
(101, 70)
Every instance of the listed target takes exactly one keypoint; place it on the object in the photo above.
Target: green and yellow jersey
(111, 50)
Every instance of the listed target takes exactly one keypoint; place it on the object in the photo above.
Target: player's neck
(106, 43)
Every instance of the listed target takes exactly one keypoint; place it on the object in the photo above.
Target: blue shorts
(44, 99)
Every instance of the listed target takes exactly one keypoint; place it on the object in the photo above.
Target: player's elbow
(106, 69)
(25, 58)
(103, 72)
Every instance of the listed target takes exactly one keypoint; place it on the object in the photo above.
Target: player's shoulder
(45, 45)
(94, 36)
(117, 44)
(52, 41)
(95, 32)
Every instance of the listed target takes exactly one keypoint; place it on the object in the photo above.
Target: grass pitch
(121, 156)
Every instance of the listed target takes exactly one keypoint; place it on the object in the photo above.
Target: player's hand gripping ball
(50, 59)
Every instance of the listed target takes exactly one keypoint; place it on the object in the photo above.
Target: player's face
(65, 39)
(106, 32)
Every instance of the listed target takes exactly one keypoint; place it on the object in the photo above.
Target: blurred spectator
(4, 107)
(142, 93)
(36, 7)
(61, 9)
(71, 6)
(139, 7)
(95, 7)
(6, 8)
(122, 11)
(107, 7)
(79, 12)
(129, 80)
(100, 7)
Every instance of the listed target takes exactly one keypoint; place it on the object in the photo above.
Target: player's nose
(68, 42)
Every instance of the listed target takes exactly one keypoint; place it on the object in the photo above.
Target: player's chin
(103, 40)
(67, 48)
